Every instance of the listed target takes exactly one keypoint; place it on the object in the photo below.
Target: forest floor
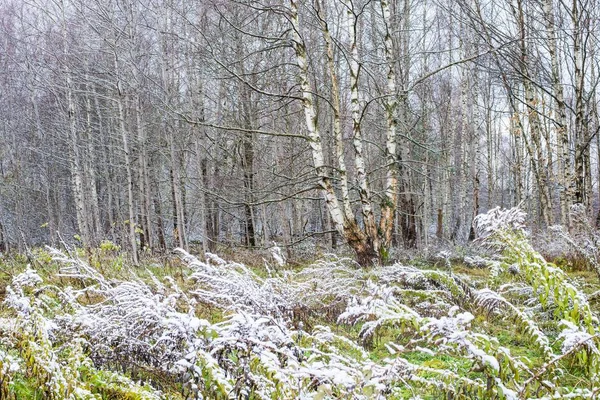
(90, 326)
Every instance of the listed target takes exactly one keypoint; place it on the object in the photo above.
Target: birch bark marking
(311, 124)
(335, 102)
(560, 111)
(516, 133)
(388, 206)
(357, 140)
(580, 140)
(595, 118)
(347, 227)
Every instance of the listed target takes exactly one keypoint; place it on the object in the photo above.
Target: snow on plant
(277, 255)
(545, 288)
(556, 296)
(233, 286)
(257, 355)
(453, 334)
(28, 278)
(57, 367)
(238, 356)
(551, 285)
(132, 319)
(573, 336)
(9, 365)
(495, 266)
(253, 351)
(584, 239)
(328, 283)
(449, 334)
(262, 350)
(17, 301)
(15, 297)
(586, 246)
(493, 302)
(476, 262)
(400, 373)
(430, 282)
(498, 219)
(454, 331)
(377, 310)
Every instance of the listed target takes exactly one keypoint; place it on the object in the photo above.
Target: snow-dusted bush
(539, 294)
(582, 239)
(499, 220)
(60, 369)
(273, 342)
(327, 284)
(9, 365)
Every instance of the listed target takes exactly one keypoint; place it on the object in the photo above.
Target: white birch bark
(357, 140)
(580, 140)
(95, 223)
(388, 208)
(335, 103)
(357, 239)
(538, 159)
(560, 116)
(311, 124)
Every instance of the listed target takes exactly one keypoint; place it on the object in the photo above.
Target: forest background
(384, 125)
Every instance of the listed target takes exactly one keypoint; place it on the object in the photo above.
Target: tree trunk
(581, 141)
(144, 190)
(390, 198)
(532, 103)
(348, 228)
(178, 230)
(91, 175)
(160, 225)
(211, 220)
(560, 117)
(75, 161)
(129, 173)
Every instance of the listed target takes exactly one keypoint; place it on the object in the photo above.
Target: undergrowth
(77, 326)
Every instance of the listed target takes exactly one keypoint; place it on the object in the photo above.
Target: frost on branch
(498, 219)
(573, 336)
(380, 308)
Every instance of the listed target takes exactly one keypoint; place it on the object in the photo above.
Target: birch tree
(370, 242)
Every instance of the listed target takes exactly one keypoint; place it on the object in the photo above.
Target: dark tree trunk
(439, 232)
(366, 255)
(408, 221)
(211, 215)
(249, 187)
(3, 240)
